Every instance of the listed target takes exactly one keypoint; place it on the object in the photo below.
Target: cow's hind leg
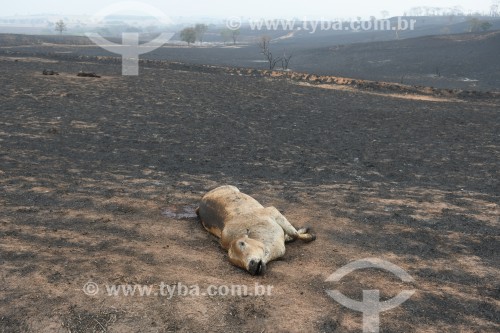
(291, 233)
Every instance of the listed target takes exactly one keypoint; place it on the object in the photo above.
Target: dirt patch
(99, 180)
(402, 96)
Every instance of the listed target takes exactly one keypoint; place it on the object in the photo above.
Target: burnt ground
(93, 172)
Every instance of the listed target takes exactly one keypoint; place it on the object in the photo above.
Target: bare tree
(234, 35)
(200, 30)
(397, 29)
(285, 60)
(458, 11)
(265, 49)
(494, 10)
(61, 26)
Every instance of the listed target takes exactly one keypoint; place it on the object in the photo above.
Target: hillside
(467, 61)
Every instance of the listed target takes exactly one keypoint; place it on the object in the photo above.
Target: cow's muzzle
(256, 267)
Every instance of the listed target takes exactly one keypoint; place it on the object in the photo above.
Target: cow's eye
(242, 244)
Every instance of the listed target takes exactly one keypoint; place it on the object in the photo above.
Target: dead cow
(252, 234)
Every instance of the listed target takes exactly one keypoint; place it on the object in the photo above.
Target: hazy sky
(247, 8)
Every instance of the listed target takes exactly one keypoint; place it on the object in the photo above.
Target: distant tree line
(453, 11)
(197, 32)
(192, 34)
(230, 35)
(435, 11)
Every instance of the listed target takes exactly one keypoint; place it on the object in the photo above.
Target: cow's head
(248, 254)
